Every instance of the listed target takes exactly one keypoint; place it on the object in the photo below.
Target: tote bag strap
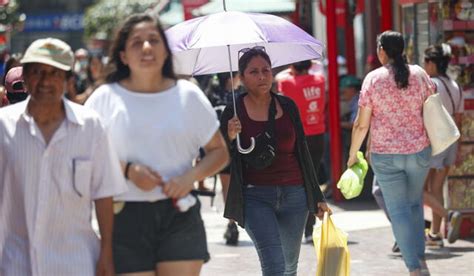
(450, 95)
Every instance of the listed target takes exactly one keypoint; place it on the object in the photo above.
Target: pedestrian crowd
(119, 135)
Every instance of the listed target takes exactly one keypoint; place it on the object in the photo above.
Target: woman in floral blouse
(391, 102)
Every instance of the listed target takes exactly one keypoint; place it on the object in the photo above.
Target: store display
(466, 167)
(460, 193)
(452, 22)
(467, 129)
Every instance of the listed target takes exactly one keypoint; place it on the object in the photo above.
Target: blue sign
(54, 22)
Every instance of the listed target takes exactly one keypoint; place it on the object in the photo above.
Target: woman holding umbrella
(152, 117)
(277, 195)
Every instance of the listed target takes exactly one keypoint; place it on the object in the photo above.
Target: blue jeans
(401, 178)
(275, 218)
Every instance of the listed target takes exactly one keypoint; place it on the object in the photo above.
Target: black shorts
(147, 233)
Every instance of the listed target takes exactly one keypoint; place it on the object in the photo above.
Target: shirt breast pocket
(81, 177)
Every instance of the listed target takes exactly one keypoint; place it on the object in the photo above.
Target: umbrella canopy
(200, 45)
(266, 6)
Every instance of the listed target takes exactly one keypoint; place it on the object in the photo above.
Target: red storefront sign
(190, 5)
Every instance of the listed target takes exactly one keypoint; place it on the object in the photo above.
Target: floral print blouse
(396, 125)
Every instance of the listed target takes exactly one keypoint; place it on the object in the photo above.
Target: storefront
(425, 22)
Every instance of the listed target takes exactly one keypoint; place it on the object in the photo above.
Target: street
(370, 243)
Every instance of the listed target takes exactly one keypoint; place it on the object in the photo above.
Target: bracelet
(127, 167)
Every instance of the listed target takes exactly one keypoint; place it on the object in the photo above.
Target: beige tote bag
(440, 126)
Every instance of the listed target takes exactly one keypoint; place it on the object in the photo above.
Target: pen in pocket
(74, 177)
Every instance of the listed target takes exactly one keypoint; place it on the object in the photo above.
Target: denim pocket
(382, 160)
(423, 157)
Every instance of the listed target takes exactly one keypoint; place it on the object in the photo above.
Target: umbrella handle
(246, 151)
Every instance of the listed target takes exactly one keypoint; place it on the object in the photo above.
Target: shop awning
(263, 6)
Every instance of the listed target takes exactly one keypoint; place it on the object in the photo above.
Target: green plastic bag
(352, 180)
(333, 255)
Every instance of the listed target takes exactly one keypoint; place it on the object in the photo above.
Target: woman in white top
(157, 124)
(437, 58)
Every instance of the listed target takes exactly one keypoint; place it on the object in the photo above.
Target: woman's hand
(323, 207)
(144, 177)
(178, 187)
(233, 128)
(352, 160)
(105, 265)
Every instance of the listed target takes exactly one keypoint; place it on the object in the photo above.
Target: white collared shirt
(47, 191)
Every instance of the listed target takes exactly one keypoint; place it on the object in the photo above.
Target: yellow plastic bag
(331, 249)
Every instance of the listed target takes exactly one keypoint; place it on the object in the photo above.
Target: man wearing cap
(349, 87)
(55, 161)
(16, 91)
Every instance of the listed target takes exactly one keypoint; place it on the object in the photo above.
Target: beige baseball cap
(50, 51)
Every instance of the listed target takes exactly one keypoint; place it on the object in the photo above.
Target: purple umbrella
(210, 44)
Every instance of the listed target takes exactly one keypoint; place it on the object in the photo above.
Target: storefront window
(409, 32)
(435, 11)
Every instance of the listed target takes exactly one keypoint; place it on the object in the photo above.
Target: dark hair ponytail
(393, 44)
(439, 55)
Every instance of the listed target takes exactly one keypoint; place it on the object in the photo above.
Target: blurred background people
(12, 61)
(95, 74)
(220, 95)
(14, 85)
(437, 58)
(349, 87)
(81, 56)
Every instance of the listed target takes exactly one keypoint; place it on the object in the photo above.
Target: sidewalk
(370, 243)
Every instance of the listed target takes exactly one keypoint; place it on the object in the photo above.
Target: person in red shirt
(308, 91)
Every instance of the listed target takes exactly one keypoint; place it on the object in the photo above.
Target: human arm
(323, 207)
(346, 125)
(367, 149)
(105, 218)
(216, 158)
(359, 132)
(233, 128)
(141, 175)
(458, 121)
(226, 116)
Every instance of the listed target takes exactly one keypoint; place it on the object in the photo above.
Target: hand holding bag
(351, 182)
(331, 249)
(440, 126)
